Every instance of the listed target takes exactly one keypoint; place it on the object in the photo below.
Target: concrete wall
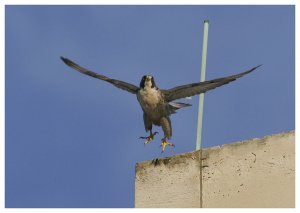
(252, 173)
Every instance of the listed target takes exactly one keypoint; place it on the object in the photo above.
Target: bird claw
(149, 138)
(165, 143)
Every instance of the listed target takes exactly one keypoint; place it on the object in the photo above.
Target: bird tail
(177, 105)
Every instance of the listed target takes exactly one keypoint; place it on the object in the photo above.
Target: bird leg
(165, 143)
(150, 137)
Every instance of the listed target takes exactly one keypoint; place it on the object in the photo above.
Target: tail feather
(177, 105)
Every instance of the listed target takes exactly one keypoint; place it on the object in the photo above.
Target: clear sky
(72, 140)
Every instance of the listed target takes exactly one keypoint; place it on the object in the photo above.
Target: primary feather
(189, 90)
(120, 84)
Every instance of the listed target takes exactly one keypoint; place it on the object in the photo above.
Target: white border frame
(123, 2)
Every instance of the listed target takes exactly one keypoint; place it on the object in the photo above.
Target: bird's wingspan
(120, 84)
(201, 87)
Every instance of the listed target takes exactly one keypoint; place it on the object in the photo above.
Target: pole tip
(206, 21)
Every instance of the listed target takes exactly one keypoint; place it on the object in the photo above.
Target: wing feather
(120, 84)
(189, 90)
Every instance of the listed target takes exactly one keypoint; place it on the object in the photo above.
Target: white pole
(202, 78)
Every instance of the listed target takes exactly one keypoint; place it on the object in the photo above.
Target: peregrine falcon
(157, 104)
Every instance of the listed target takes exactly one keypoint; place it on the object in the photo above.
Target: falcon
(158, 104)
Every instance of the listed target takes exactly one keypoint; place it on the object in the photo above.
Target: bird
(158, 104)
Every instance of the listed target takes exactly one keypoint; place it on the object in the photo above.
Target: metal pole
(202, 78)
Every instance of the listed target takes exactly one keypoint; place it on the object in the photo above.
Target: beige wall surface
(169, 182)
(252, 173)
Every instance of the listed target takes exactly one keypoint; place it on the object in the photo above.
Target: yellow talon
(165, 143)
(149, 138)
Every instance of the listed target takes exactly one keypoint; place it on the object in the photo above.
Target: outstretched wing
(120, 84)
(189, 90)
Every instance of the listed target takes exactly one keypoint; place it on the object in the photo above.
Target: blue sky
(72, 141)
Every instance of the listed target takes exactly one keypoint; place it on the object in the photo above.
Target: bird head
(147, 81)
